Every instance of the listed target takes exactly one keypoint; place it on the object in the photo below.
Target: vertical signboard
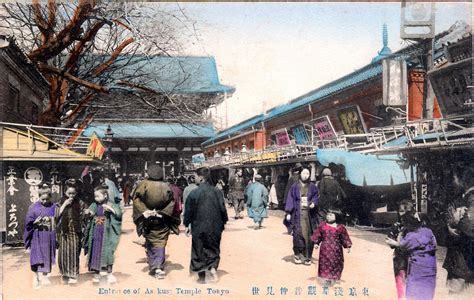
(21, 185)
(395, 82)
(351, 120)
(300, 134)
(324, 128)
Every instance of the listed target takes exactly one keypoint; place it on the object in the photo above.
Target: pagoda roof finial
(385, 51)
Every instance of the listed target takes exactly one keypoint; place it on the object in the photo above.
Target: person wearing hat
(237, 193)
(204, 217)
(294, 177)
(156, 215)
(257, 200)
(330, 193)
(192, 185)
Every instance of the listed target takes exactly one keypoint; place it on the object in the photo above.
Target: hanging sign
(300, 134)
(282, 137)
(324, 128)
(351, 120)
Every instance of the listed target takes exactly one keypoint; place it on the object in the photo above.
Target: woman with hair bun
(40, 236)
(420, 244)
(70, 225)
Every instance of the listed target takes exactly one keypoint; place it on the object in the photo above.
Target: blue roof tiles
(236, 128)
(151, 130)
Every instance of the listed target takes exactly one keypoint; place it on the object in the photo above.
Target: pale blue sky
(274, 52)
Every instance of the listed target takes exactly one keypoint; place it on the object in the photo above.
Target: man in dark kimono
(156, 214)
(204, 217)
(330, 194)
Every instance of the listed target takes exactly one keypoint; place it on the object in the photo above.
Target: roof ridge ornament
(385, 51)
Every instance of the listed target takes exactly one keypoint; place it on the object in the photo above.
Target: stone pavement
(250, 260)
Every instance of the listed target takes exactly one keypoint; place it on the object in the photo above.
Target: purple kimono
(303, 221)
(421, 277)
(40, 237)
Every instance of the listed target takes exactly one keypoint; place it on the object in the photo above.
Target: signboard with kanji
(324, 128)
(282, 137)
(300, 134)
(21, 185)
(351, 120)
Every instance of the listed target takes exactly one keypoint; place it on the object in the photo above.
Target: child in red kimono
(332, 237)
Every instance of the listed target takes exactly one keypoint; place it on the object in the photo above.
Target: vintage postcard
(236, 150)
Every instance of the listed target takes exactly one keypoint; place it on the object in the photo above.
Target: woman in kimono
(332, 237)
(156, 214)
(40, 237)
(102, 234)
(301, 217)
(70, 225)
(400, 257)
(257, 200)
(420, 244)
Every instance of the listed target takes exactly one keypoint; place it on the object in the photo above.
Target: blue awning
(366, 169)
(151, 130)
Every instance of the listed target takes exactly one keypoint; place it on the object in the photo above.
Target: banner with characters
(21, 183)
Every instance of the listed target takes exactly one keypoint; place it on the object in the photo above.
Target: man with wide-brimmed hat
(331, 193)
(204, 217)
(156, 215)
(237, 193)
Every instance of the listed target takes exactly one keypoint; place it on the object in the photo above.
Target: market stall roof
(151, 130)
(19, 145)
(366, 169)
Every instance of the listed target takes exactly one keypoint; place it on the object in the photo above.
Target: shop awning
(366, 169)
(32, 146)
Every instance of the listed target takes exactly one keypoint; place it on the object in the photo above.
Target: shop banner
(96, 148)
(324, 128)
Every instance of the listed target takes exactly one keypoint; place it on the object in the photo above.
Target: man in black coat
(205, 216)
(330, 193)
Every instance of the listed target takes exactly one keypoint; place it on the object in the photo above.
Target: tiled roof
(352, 79)
(178, 74)
(151, 130)
(236, 128)
(368, 72)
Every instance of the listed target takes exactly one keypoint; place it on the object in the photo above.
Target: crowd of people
(90, 214)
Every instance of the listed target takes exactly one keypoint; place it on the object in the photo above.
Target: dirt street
(252, 261)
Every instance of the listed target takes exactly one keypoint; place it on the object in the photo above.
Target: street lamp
(108, 138)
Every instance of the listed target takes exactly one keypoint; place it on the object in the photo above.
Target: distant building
(22, 87)
(144, 135)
